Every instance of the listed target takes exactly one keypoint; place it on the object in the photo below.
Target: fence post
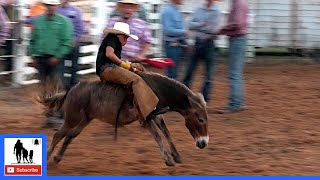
(18, 64)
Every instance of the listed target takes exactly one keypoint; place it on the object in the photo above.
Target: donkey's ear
(191, 101)
(201, 97)
(196, 100)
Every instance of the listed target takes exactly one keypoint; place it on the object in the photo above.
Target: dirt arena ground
(278, 134)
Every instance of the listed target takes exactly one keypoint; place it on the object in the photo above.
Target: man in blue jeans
(205, 24)
(174, 34)
(236, 28)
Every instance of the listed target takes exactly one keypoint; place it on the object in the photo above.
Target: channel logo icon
(22, 156)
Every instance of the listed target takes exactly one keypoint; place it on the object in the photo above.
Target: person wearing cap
(134, 51)
(51, 40)
(75, 15)
(111, 68)
(140, 13)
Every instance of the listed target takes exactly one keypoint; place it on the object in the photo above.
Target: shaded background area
(278, 134)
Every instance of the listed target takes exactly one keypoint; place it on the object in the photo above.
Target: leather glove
(125, 64)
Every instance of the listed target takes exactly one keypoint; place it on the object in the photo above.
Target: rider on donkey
(111, 68)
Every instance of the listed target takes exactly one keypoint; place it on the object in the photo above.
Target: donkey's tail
(54, 102)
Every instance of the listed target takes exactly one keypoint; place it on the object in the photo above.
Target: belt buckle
(173, 43)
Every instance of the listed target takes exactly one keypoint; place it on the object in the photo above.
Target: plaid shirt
(139, 28)
(4, 26)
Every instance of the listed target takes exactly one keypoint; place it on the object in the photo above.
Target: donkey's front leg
(153, 130)
(162, 126)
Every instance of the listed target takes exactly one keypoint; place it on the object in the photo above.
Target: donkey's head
(181, 99)
(197, 120)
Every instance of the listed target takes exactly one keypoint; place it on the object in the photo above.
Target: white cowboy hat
(51, 2)
(129, 2)
(121, 28)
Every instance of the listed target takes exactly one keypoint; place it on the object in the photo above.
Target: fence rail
(288, 23)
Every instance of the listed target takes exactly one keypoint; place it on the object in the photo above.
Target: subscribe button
(12, 170)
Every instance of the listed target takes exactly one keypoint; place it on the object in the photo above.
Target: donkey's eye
(201, 121)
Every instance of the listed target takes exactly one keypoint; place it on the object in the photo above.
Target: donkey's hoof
(57, 159)
(169, 163)
(177, 159)
(168, 160)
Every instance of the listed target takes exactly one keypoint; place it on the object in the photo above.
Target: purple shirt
(75, 15)
(237, 23)
(139, 28)
(4, 26)
(3, 2)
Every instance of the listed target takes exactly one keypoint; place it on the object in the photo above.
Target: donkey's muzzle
(202, 142)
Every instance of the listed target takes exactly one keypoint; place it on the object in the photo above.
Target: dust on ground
(277, 134)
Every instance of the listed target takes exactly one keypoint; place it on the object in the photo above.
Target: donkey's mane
(167, 79)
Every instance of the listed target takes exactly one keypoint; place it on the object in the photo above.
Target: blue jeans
(73, 56)
(237, 54)
(205, 51)
(175, 53)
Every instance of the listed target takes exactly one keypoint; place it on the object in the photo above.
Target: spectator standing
(134, 51)
(50, 42)
(204, 24)
(174, 34)
(75, 15)
(4, 25)
(37, 9)
(141, 13)
(236, 28)
(9, 13)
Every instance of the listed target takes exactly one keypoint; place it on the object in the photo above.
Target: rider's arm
(110, 54)
(110, 45)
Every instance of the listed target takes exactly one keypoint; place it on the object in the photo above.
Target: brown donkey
(113, 104)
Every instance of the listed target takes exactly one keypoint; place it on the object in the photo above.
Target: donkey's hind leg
(69, 137)
(153, 130)
(162, 126)
(61, 133)
(72, 133)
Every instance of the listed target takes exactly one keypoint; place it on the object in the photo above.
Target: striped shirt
(139, 28)
(4, 26)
